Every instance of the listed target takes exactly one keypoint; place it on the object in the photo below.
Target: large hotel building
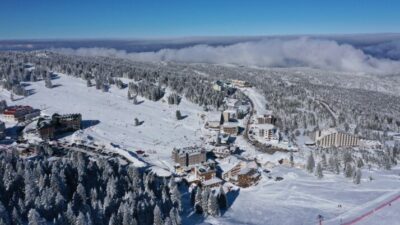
(334, 138)
(189, 156)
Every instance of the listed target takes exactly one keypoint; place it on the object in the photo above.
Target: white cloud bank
(323, 54)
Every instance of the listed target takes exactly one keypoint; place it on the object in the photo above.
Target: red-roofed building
(14, 113)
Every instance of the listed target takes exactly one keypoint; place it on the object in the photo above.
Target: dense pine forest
(61, 186)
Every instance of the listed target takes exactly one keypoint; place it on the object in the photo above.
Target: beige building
(241, 83)
(230, 128)
(334, 138)
(266, 119)
(188, 156)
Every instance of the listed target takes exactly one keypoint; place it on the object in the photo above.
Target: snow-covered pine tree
(175, 217)
(318, 171)
(4, 218)
(337, 166)
(324, 162)
(310, 163)
(204, 200)
(178, 115)
(348, 172)
(213, 208)
(48, 83)
(198, 203)
(291, 158)
(360, 163)
(167, 221)
(158, 220)
(176, 197)
(34, 218)
(88, 83)
(357, 176)
(222, 199)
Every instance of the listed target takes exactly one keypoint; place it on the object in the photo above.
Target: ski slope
(159, 132)
(301, 197)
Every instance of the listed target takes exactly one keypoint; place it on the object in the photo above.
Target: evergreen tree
(213, 208)
(175, 217)
(360, 163)
(222, 199)
(48, 83)
(167, 221)
(113, 220)
(157, 216)
(337, 169)
(357, 176)
(4, 218)
(178, 115)
(135, 101)
(176, 197)
(318, 171)
(348, 170)
(310, 163)
(204, 200)
(324, 161)
(34, 218)
(198, 205)
(291, 158)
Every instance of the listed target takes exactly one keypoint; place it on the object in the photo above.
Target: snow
(258, 100)
(228, 163)
(300, 197)
(160, 171)
(212, 181)
(388, 215)
(116, 117)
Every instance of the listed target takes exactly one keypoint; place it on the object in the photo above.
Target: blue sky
(25, 19)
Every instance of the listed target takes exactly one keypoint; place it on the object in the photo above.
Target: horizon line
(165, 38)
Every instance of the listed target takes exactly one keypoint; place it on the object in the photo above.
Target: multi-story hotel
(334, 138)
(188, 156)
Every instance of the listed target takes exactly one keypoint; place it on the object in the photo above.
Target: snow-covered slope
(159, 132)
(301, 197)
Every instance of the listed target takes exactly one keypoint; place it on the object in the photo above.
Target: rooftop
(228, 163)
(231, 124)
(212, 181)
(188, 150)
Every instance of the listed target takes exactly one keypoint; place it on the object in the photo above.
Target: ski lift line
(372, 211)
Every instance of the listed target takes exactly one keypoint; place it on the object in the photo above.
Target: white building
(333, 138)
(267, 131)
(230, 168)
